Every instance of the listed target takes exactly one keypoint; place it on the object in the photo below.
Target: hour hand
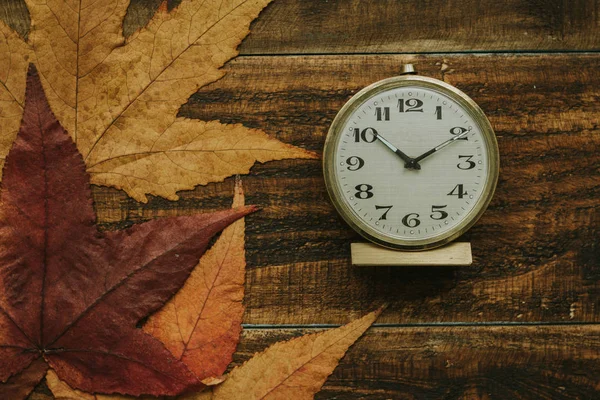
(409, 162)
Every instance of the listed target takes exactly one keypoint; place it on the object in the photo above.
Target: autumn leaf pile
(101, 109)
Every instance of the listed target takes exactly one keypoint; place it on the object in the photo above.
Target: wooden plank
(393, 26)
(536, 251)
(370, 255)
(452, 363)
(506, 362)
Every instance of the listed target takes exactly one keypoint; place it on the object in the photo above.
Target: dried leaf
(161, 164)
(119, 99)
(295, 369)
(62, 391)
(14, 54)
(201, 324)
(71, 295)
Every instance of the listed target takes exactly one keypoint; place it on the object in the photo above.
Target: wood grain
(536, 252)
(452, 363)
(396, 26)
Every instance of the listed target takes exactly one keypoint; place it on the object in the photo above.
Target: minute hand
(440, 146)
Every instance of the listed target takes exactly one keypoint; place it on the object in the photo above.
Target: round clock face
(411, 162)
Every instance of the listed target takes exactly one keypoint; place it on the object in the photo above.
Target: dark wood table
(522, 322)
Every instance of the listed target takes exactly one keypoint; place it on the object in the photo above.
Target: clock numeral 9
(457, 130)
(364, 191)
(470, 164)
(368, 135)
(410, 221)
(387, 208)
(439, 213)
(410, 105)
(386, 113)
(458, 191)
(355, 163)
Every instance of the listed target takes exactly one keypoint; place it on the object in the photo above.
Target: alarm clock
(411, 162)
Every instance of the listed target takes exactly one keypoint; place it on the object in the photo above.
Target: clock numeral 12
(386, 113)
(410, 105)
(458, 191)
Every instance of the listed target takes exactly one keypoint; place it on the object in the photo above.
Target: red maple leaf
(70, 296)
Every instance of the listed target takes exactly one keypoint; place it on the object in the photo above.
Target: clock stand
(453, 254)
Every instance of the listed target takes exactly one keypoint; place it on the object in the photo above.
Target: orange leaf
(119, 98)
(201, 324)
(295, 369)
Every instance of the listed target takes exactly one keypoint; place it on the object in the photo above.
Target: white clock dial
(411, 164)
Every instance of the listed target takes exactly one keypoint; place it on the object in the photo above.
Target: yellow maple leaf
(296, 369)
(119, 97)
(201, 324)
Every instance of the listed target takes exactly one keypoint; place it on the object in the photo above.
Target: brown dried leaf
(201, 324)
(295, 369)
(119, 99)
(14, 53)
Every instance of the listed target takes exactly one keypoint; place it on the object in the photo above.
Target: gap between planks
(426, 53)
(423, 325)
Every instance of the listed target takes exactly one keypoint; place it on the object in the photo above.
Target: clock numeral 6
(368, 135)
(410, 221)
(387, 210)
(458, 191)
(410, 105)
(440, 214)
(364, 191)
(470, 164)
(355, 163)
(457, 130)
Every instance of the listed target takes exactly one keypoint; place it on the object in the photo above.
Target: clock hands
(413, 163)
(409, 162)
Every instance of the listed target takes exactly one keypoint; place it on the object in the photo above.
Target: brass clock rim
(469, 219)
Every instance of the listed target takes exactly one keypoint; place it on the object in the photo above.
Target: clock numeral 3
(410, 105)
(364, 191)
(439, 213)
(411, 221)
(386, 113)
(355, 163)
(457, 130)
(469, 164)
(458, 191)
(368, 135)
(387, 210)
